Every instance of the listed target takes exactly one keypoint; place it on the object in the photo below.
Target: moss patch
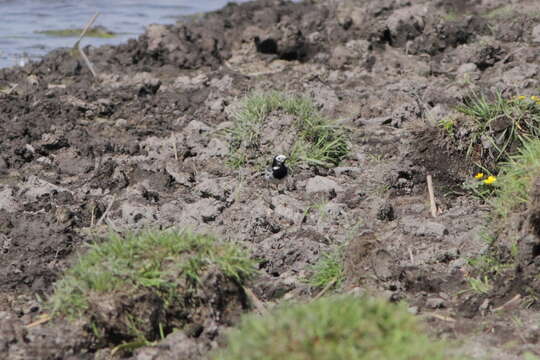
(333, 328)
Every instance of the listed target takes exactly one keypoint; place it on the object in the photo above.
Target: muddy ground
(147, 139)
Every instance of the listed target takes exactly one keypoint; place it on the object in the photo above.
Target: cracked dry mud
(148, 140)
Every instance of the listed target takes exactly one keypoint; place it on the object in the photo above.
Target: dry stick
(325, 289)
(44, 319)
(93, 218)
(174, 148)
(515, 300)
(411, 256)
(106, 211)
(255, 300)
(440, 317)
(431, 196)
(78, 44)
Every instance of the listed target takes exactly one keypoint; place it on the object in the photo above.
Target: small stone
(413, 310)
(467, 68)
(435, 303)
(536, 34)
(431, 228)
(121, 123)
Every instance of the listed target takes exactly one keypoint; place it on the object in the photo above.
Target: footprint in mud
(381, 263)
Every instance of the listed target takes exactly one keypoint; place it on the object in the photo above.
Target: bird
(278, 171)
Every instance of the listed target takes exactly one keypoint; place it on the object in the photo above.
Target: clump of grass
(319, 141)
(334, 328)
(500, 125)
(448, 124)
(168, 264)
(328, 271)
(96, 32)
(480, 285)
(516, 178)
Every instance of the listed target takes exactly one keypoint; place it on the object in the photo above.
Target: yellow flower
(535, 98)
(479, 176)
(490, 180)
(521, 97)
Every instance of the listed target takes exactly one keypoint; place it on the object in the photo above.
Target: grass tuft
(159, 261)
(516, 179)
(318, 140)
(334, 328)
(328, 270)
(500, 126)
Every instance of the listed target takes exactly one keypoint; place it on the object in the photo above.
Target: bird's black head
(279, 160)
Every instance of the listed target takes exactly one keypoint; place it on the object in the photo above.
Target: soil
(144, 145)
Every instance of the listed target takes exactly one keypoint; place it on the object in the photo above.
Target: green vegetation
(480, 285)
(500, 126)
(328, 271)
(96, 32)
(318, 141)
(448, 124)
(516, 178)
(165, 265)
(334, 328)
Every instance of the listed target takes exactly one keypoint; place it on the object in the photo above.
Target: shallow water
(20, 20)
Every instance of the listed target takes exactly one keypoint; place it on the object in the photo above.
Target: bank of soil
(145, 144)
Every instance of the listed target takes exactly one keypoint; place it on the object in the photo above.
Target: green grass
(448, 124)
(516, 178)
(500, 123)
(96, 32)
(318, 141)
(480, 285)
(162, 262)
(334, 328)
(328, 271)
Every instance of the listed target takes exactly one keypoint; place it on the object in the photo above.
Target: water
(20, 20)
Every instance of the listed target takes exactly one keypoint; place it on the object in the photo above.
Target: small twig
(87, 26)
(440, 317)
(44, 319)
(106, 211)
(411, 256)
(93, 216)
(515, 300)
(174, 148)
(259, 305)
(78, 44)
(431, 196)
(325, 289)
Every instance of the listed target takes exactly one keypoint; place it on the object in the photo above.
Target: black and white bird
(277, 173)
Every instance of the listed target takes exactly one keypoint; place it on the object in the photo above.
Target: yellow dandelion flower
(535, 98)
(479, 176)
(490, 180)
(521, 97)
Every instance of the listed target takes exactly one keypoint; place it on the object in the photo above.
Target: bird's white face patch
(281, 158)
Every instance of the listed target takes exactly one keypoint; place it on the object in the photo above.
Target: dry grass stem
(431, 196)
